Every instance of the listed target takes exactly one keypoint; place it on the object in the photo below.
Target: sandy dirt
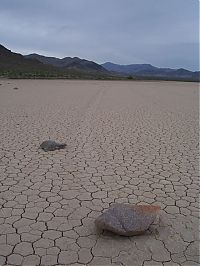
(130, 142)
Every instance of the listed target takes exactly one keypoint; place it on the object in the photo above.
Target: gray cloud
(163, 33)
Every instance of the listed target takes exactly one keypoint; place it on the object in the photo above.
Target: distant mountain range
(15, 65)
(147, 70)
(67, 62)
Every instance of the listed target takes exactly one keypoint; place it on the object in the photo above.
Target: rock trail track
(127, 142)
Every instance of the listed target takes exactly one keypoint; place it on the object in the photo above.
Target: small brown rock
(51, 145)
(127, 220)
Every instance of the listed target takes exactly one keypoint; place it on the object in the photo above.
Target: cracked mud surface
(130, 142)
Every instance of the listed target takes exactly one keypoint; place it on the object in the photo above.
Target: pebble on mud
(51, 145)
(126, 219)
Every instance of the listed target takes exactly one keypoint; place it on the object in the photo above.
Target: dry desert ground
(127, 141)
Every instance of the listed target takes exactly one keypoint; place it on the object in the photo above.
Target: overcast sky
(161, 32)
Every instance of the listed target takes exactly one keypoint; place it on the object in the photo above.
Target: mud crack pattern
(129, 142)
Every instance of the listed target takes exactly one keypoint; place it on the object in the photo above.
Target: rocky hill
(14, 65)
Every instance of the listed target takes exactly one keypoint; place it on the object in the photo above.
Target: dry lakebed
(133, 142)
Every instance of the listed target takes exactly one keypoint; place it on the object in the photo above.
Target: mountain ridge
(148, 70)
(15, 65)
(67, 62)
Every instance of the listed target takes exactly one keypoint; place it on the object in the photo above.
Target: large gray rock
(127, 220)
(51, 145)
